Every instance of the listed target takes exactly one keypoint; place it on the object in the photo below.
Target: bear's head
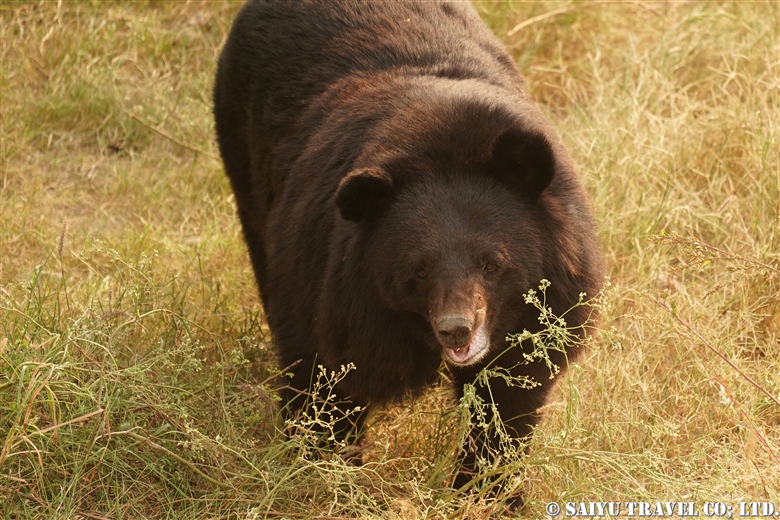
(456, 243)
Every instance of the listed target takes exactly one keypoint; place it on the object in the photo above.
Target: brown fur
(398, 193)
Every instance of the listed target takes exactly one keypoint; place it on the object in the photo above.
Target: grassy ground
(136, 371)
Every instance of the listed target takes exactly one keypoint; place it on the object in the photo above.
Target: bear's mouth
(474, 351)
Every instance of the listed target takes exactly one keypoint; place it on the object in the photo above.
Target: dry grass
(132, 344)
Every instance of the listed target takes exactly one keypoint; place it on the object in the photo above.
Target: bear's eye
(489, 266)
(421, 273)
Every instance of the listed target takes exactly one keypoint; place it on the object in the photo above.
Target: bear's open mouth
(472, 352)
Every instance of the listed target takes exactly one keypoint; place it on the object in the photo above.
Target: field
(137, 374)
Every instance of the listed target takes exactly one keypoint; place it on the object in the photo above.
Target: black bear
(399, 195)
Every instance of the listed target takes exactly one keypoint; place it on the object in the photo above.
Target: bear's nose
(454, 331)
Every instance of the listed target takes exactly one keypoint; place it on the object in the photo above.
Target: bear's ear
(362, 193)
(523, 159)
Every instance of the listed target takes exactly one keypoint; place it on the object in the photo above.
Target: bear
(399, 194)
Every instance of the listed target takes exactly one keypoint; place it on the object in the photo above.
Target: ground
(136, 370)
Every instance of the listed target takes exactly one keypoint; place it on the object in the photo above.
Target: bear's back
(281, 56)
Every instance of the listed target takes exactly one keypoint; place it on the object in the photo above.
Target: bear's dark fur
(399, 194)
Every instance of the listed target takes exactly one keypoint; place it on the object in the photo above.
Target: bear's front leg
(517, 404)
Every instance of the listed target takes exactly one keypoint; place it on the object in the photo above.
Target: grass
(136, 369)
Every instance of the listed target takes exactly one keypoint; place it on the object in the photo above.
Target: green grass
(136, 369)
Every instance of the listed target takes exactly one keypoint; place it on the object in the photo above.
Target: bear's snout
(457, 313)
(462, 334)
(454, 330)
